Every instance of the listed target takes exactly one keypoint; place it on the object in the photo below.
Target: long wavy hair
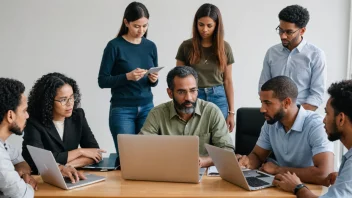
(42, 95)
(218, 43)
(133, 12)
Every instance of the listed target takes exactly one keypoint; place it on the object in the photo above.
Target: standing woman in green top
(212, 58)
(123, 68)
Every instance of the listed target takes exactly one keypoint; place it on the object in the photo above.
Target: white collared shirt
(12, 185)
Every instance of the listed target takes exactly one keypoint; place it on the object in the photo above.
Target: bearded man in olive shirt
(187, 115)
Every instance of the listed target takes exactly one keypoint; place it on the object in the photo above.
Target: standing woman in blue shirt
(123, 67)
(212, 58)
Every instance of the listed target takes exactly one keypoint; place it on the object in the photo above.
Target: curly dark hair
(341, 97)
(41, 97)
(182, 72)
(282, 86)
(295, 14)
(10, 95)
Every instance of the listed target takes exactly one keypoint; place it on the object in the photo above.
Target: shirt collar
(173, 111)
(299, 121)
(348, 154)
(299, 47)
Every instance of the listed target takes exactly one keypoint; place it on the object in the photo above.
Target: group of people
(291, 88)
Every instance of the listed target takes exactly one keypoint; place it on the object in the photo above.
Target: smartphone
(154, 70)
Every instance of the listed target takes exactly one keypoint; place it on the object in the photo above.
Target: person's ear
(10, 116)
(125, 22)
(341, 119)
(169, 92)
(302, 31)
(287, 102)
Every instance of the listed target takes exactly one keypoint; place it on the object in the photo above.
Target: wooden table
(115, 186)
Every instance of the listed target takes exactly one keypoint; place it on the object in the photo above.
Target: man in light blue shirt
(338, 125)
(295, 135)
(303, 62)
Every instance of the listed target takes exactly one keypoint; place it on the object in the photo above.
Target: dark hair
(41, 97)
(182, 72)
(341, 97)
(295, 14)
(133, 12)
(282, 86)
(209, 10)
(10, 95)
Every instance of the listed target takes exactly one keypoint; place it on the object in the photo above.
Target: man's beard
(14, 128)
(335, 134)
(277, 117)
(183, 108)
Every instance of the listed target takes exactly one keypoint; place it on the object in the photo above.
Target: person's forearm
(254, 161)
(309, 107)
(74, 154)
(81, 161)
(229, 94)
(207, 161)
(312, 174)
(23, 168)
(305, 193)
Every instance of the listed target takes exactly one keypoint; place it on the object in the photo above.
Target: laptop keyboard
(255, 182)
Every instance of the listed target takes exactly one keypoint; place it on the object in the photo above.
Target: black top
(76, 132)
(121, 57)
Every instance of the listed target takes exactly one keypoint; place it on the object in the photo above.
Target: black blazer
(76, 132)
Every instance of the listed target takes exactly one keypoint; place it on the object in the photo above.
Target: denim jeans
(215, 95)
(127, 120)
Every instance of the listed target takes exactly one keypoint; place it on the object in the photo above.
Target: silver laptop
(160, 158)
(229, 170)
(50, 173)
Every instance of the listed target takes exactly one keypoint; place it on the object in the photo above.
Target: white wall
(41, 36)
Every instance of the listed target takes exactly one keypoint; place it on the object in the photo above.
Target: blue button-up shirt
(305, 65)
(296, 147)
(11, 185)
(343, 184)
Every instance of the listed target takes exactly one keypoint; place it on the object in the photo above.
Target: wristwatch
(299, 187)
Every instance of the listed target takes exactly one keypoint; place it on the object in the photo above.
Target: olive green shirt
(208, 71)
(207, 123)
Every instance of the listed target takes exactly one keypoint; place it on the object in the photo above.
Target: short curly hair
(41, 97)
(295, 14)
(10, 95)
(341, 97)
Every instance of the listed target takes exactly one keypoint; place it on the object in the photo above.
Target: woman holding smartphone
(125, 62)
(212, 58)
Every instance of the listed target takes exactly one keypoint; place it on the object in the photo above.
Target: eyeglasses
(65, 101)
(287, 32)
(184, 92)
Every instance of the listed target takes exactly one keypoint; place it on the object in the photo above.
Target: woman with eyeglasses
(212, 58)
(123, 68)
(57, 124)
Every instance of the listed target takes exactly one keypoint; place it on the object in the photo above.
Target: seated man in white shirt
(15, 173)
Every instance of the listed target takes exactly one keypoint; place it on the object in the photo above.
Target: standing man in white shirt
(15, 173)
(296, 58)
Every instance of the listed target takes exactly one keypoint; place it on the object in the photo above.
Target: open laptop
(229, 170)
(160, 158)
(50, 173)
(104, 165)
